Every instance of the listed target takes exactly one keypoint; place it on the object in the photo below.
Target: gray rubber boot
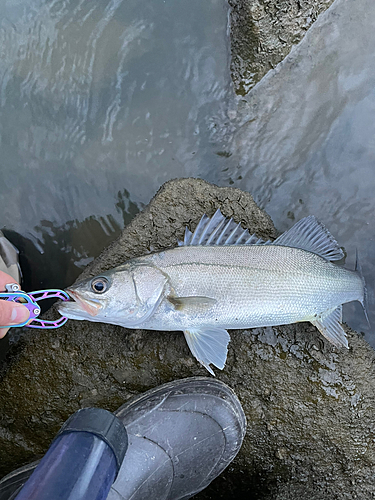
(181, 435)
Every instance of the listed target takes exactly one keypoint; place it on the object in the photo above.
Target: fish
(222, 278)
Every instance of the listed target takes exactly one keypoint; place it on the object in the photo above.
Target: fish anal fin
(192, 302)
(209, 346)
(310, 234)
(329, 325)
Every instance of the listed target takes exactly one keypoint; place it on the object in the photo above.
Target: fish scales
(222, 278)
(254, 286)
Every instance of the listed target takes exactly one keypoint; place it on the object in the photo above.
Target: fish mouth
(79, 306)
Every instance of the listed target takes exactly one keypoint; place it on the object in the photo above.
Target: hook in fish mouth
(78, 305)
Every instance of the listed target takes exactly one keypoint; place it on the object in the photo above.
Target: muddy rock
(263, 33)
(309, 406)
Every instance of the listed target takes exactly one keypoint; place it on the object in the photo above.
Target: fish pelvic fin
(329, 325)
(310, 234)
(363, 302)
(209, 345)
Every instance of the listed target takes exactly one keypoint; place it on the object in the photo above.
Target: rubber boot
(182, 435)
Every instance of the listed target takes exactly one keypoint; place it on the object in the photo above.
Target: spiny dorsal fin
(310, 234)
(219, 230)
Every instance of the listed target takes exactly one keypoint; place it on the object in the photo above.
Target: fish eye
(99, 285)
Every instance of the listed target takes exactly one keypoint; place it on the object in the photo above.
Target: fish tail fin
(363, 302)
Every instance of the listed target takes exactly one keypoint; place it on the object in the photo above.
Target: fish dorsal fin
(329, 325)
(219, 230)
(307, 234)
(310, 234)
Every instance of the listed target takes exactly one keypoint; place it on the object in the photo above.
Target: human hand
(11, 313)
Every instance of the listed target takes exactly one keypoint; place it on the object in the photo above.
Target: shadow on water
(69, 248)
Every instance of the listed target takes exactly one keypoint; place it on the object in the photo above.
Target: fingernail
(19, 314)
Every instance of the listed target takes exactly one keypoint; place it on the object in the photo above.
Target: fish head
(126, 296)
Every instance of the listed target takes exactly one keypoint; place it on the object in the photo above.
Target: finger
(12, 313)
(5, 279)
(3, 332)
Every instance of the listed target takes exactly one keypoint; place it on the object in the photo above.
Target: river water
(305, 138)
(101, 101)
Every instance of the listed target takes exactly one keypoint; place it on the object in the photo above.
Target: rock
(309, 406)
(263, 33)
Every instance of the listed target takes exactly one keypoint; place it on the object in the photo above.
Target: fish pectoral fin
(209, 346)
(329, 325)
(195, 302)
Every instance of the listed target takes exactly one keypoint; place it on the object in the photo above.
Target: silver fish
(220, 277)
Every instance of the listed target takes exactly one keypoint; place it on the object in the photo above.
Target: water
(102, 101)
(305, 140)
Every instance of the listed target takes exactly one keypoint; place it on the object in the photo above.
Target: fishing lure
(30, 300)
